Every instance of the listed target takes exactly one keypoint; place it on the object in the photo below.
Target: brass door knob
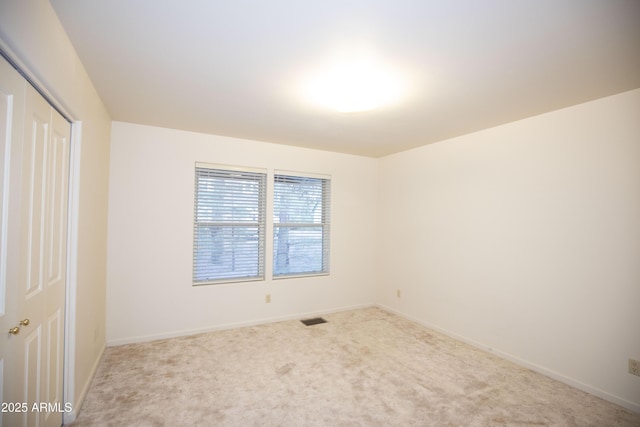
(14, 331)
(24, 322)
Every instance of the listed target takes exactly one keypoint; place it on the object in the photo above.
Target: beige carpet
(363, 368)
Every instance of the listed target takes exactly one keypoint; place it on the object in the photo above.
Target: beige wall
(149, 291)
(30, 30)
(525, 238)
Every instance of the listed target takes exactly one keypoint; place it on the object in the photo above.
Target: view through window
(300, 225)
(229, 225)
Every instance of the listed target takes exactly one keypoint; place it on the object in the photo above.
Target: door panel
(36, 142)
(57, 193)
(55, 265)
(53, 366)
(32, 356)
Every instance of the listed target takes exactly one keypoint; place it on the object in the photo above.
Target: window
(229, 225)
(300, 225)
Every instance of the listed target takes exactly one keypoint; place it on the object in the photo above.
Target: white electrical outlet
(634, 367)
(267, 298)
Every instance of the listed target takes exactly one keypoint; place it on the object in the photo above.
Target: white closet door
(35, 195)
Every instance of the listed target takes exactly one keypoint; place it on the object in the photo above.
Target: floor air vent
(314, 321)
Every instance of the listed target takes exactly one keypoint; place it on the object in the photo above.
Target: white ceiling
(233, 67)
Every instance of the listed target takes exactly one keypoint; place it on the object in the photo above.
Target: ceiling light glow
(359, 84)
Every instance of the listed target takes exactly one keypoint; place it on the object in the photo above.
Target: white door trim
(69, 394)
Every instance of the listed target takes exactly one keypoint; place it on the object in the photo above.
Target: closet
(34, 173)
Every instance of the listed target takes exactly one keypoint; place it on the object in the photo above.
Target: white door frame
(68, 376)
(69, 394)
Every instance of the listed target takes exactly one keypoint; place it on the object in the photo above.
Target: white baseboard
(186, 332)
(521, 362)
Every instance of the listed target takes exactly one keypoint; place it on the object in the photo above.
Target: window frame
(262, 177)
(325, 224)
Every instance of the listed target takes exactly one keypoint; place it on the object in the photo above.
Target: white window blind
(300, 225)
(229, 225)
